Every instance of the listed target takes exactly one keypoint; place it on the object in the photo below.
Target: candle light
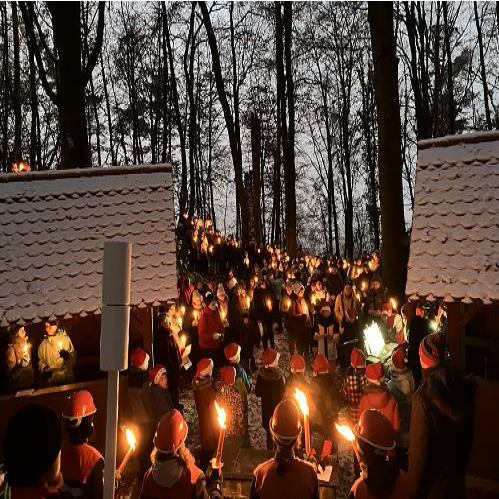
(59, 345)
(393, 301)
(221, 436)
(183, 341)
(182, 309)
(26, 348)
(180, 322)
(302, 401)
(132, 442)
(269, 305)
(346, 432)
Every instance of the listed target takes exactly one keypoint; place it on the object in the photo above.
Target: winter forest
(257, 105)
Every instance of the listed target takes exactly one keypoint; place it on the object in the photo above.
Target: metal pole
(113, 388)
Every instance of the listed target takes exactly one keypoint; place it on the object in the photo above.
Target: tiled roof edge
(465, 138)
(84, 172)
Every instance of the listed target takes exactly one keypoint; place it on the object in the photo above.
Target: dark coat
(441, 434)
(261, 310)
(417, 330)
(205, 396)
(270, 388)
(161, 402)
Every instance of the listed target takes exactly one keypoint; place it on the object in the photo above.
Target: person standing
(211, 331)
(441, 433)
(17, 361)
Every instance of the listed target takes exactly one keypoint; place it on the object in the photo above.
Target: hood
(272, 374)
(377, 396)
(402, 382)
(168, 473)
(450, 392)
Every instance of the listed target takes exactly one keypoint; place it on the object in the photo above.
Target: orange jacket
(78, 461)
(377, 397)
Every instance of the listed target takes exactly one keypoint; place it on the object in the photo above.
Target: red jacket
(205, 396)
(34, 493)
(209, 324)
(78, 461)
(401, 490)
(380, 398)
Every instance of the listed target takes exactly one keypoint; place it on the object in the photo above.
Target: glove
(65, 355)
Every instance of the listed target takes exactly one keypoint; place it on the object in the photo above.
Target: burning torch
(217, 461)
(302, 401)
(132, 442)
(346, 432)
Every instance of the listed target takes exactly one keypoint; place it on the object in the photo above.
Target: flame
(346, 432)
(269, 304)
(373, 339)
(182, 309)
(364, 285)
(220, 415)
(21, 167)
(183, 341)
(393, 301)
(130, 436)
(222, 315)
(302, 401)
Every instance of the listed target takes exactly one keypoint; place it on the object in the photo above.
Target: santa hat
(375, 373)
(432, 350)
(233, 353)
(155, 373)
(139, 359)
(227, 375)
(297, 363)
(270, 357)
(204, 368)
(321, 365)
(197, 299)
(357, 358)
(399, 358)
(220, 291)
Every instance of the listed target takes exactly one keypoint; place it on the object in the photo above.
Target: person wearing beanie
(441, 432)
(323, 398)
(205, 396)
(354, 384)
(19, 373)
(265, 312)
(324, 335)
(376, 297)
(270, 385)
(299, 320)
(32, 453)
(402, 386)
(140, 403)
(211, 331)
(161, 401)
(223, 304)
(230, 399)
(417, 328)
(297, 377)
(376, 396)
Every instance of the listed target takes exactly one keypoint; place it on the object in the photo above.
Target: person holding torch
(285, 475)
(173, 473)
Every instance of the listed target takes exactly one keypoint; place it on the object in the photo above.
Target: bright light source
(346, 432)
(373, 339)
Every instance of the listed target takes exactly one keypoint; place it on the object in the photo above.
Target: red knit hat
(357, 358)
(375, 372)
(155, 373)
(227, 375)
(399, 358)
(321, 365)
(432, 350)
(204, 368)
(270, 357)
(297, 363)
(232, 352)
(139, 359)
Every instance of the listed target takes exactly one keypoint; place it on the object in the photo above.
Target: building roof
(454, 251)
(53, 225)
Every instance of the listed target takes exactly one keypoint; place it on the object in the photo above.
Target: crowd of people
(411, 414)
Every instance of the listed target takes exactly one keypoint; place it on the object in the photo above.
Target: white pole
(113, 389)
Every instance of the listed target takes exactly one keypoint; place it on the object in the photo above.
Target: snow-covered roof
(52, 230)
(455, 231)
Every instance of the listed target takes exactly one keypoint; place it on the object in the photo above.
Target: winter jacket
(270, 388)
(353, 390)
(343, 303)
(56, 370)
(161, 402)
(231, 400)
(35, 492)
(243, 376)
(418, 328)
(261, 312)
(299, 481)
(205, 396)
(209, 325)
(402, 386)
(323, 402)
(378, 397)
(400, 489)
(140, 396)
(174, 479)
(441, 434)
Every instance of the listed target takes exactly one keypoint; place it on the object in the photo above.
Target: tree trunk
(256, 149)
(16, 94)
(178, 115)
(34, 143)
(108, 112)
(7, 159)
(450, 78)
(394, 249)
(482, 68)
(235, 150)
(289, 167)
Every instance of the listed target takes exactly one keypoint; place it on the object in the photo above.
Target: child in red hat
(230, 399)
(269, 387)
(354, 383)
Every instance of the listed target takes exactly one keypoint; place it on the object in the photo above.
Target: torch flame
(393, 301)
(130, 436)
(183, 341)
(302, 401)
(346, 432)
(220, 415)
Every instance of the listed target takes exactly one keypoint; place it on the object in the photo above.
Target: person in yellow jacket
(56, 356)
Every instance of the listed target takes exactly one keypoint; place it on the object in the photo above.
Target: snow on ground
(257, 433)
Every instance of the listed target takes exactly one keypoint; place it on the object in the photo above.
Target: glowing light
(346, 432)
(434, 325)
(59, 344)
(130, 436)
(393, 301)
(373, 339)
(221, 416)
(302, 401)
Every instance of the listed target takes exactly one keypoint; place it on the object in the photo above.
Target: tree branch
(92, 59)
